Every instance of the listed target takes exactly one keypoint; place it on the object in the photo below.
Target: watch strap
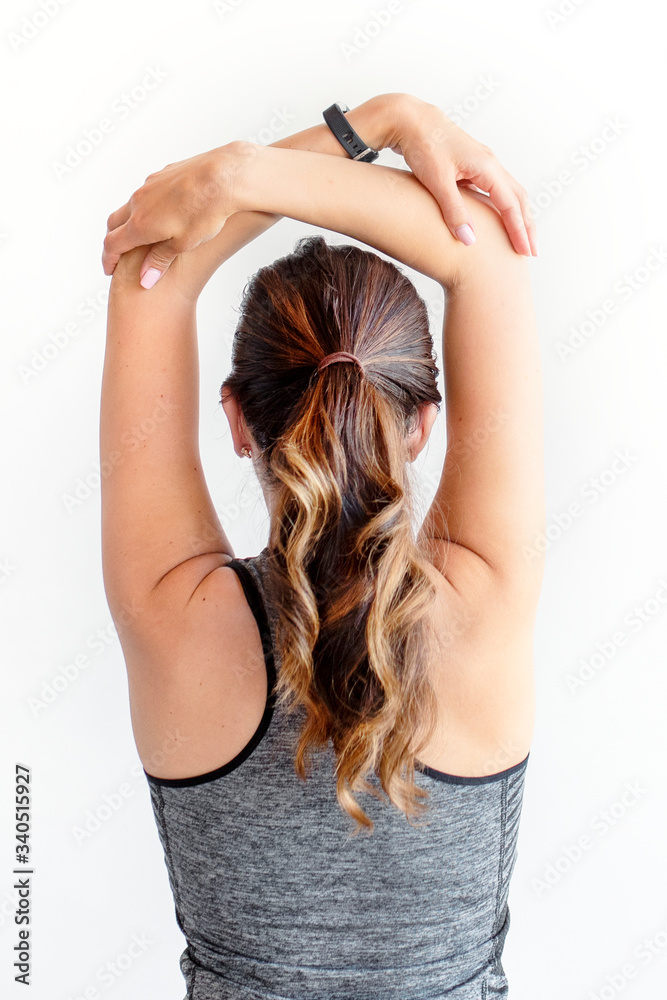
(352, 143)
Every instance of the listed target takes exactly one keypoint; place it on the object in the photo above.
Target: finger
(509, 206)
(501, 190)
(471, 185)
(454, 212)
(528, 219)
(116, 243)
(118, 217)
(157, 261)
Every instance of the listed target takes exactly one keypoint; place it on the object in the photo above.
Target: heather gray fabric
(278, 902)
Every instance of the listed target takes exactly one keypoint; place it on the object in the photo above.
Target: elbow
(492, 254)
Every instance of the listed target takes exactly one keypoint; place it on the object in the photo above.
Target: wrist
(237, 168)
(377, 119)
(387, 115)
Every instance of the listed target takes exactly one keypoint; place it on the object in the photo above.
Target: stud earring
(246, 452)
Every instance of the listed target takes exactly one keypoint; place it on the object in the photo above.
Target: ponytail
(351, 584)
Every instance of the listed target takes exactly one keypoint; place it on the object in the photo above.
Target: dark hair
(346, 573)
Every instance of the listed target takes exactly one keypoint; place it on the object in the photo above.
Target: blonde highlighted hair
(346, 573)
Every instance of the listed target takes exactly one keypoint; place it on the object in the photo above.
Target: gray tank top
(276, 899)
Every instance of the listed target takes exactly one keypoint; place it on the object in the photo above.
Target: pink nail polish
(465, 235)
(151, 276)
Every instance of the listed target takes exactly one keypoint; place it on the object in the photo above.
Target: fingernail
(150, 277)
(465, 234)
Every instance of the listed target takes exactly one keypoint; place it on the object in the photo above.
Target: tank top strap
(249, 578)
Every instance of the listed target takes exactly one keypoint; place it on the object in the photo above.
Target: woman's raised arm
(157, 512)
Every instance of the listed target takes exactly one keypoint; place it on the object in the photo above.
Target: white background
(586, 925)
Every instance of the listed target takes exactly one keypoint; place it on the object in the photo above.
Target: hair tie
(331, 359)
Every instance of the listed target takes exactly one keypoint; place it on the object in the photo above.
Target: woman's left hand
(176, 209)
(444, 157)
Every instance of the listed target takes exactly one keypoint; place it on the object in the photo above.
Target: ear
(240, 434)
(420, 435)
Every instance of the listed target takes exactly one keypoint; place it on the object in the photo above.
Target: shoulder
(197, 605)
(196, 667)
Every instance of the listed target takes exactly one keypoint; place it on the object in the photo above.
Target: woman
(355, 676)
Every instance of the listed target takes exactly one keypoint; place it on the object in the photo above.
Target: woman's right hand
(442, 156)
(175, 209)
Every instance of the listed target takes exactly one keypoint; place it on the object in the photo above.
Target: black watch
(347, 137)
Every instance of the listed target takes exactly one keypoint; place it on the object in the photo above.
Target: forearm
(375, 121)
(384, 207)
